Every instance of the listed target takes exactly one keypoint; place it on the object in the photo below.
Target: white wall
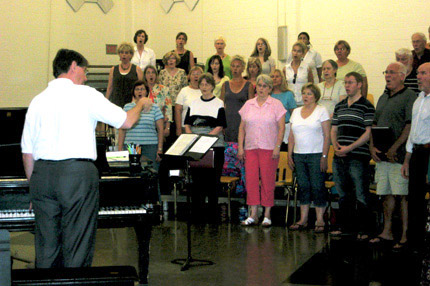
(31, 32)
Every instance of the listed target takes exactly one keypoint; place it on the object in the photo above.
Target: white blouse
(295, 83)
(308, 132)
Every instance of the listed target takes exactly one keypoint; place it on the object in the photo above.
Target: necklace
(126, 67)
(331, 94)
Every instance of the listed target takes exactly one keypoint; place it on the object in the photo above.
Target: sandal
(298, 226)
(249, 222)
(336, 233)
(362, 237)
(380, 240)
(400, 246)
(266, 222)
(319, 228)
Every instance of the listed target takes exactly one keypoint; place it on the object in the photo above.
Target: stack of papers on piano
(117, 156)
(117, 159)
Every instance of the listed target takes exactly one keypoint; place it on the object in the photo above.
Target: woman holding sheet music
(148, 131)
(206, 115)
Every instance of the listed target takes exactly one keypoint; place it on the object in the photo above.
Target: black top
(206, 113)
(411, 82)
(425, 58)
(185, 61)
(122, 86)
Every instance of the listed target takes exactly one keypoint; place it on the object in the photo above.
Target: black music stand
(190, 155)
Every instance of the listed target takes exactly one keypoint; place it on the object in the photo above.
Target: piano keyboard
(104, 211)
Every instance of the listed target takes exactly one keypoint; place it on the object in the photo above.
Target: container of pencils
(134, 158)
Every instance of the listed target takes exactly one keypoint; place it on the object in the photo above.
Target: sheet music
(182, 144)
(203, 144)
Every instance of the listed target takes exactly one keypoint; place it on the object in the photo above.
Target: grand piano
(126, 199)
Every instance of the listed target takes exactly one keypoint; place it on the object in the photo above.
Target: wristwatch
(324, 156)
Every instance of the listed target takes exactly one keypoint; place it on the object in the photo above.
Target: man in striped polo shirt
(350, 132)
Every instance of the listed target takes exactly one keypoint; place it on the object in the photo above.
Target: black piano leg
(143, 234)
(5, 258)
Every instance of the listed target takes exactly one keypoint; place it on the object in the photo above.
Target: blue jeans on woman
(310, 179)
(352, 178)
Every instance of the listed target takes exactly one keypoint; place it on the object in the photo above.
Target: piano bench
(108, 275)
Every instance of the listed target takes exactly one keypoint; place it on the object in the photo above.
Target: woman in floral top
(171, 76)
(159, 94)
(175, 79)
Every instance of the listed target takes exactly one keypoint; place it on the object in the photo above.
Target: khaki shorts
(389, 179)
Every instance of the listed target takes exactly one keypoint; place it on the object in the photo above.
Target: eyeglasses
(294, 78)
(340, 49)
(86, 71)
(389, 72)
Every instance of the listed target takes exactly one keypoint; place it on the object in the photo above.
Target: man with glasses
(58, 146)
(394, 110)
(350, 132)
(415, 165)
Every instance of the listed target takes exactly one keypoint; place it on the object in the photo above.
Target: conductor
(58, 148)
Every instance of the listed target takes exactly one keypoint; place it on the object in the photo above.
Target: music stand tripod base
(188, 262)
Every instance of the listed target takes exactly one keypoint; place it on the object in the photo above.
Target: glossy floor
(246, 256)
(242, 256)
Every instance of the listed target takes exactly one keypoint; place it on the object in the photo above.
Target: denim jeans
(351, 177)
(310, 179)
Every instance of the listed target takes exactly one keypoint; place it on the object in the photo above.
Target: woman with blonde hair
(253, 70)
(262, 51)
(282, 93)
(297, 72)
(123, 76)
(310, 57)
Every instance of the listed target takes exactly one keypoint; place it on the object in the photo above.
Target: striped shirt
(351, 122)
(411, 82)
(144, 132)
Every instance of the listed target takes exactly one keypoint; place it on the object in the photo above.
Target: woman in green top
(226, 59)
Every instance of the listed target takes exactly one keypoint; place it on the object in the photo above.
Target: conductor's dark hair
(64, 59)
(138, 32)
